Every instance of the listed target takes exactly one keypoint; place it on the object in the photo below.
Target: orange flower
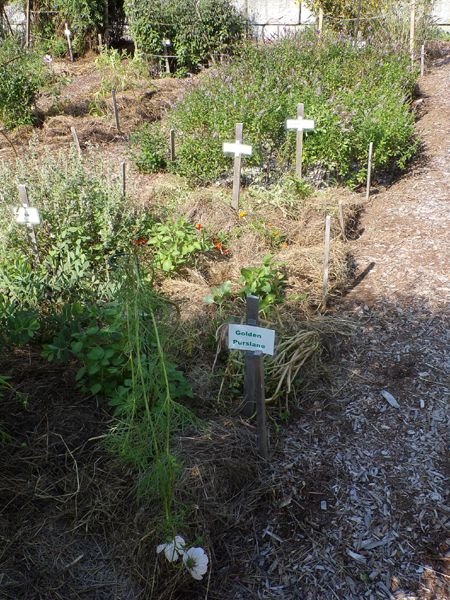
(199, 226)
(139, 241)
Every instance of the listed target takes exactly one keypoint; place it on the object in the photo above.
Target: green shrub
(355, 95)
(196, 29)
(22, 75)
(85, 226)
(149, 148)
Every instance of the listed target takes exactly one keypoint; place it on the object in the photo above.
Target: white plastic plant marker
(251, 339)
(303, 124)
(237, 149)
(25, 215)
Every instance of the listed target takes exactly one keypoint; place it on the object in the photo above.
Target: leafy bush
(196, 29)
(85, 226)
(148, 148)
(355, 95)
(22, 75)
(265, 281)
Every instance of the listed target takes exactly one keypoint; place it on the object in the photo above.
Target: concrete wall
(442, 11)
(273, 11)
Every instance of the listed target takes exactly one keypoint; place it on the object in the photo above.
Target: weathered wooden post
(341, 219)
(369, 170)
(115, 109)
(27, 24)
(172, 145)
(412, 31)
(422, 60)
(255, 341)
(300, 125)
(123, 173)
(320, 21)
(76, 141)
(326, 260)
(68, 34)
(237, 149)
(166, 44)
(28, 216)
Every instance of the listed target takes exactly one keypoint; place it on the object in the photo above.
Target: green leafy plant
(266, 281)
(219, 294)
(196, 29)
(22, 76)
(175, 244)
(355, 96)
(149, 148)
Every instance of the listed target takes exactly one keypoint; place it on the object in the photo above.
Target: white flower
(172, 550)
(196, 562)
(48, 59)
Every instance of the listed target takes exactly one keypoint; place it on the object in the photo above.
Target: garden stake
(254, 395)
(320, 21)
(300, 125)
(341, 220)
(69, 42)
(369, 170)
(166, 44)
(115, 109)
(412, 31)
(33, 244)
(172, 145)
(27, 24)
(123, 171)
(326, 260)
(100, 43)
(76, 141)
(422, 60)
(237, 149)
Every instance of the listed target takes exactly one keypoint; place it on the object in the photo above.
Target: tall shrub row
(355, 95)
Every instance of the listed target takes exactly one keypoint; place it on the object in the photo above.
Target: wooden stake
(23, 195)
(254, 381)
(320, 21)
(69, 41)
(100, 42)
(369, 170)
(76, 141)
(115, 109)
(123, 172)
(326, 260)
(166, 44)
(341, 219)
(299, 147)
(422, 60)
(172, 145)
(28, 24)
(412, 31)
(237, 169)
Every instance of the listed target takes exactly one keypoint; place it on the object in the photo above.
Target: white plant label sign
(26, 215)
(251, 339)
(237, 149)
(300, 124)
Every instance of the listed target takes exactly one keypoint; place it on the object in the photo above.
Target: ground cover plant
(355, 95)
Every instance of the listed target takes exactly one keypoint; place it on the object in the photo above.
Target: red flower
(139, 242)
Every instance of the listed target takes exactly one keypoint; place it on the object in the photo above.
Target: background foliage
(355, 95)
(197, 29)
